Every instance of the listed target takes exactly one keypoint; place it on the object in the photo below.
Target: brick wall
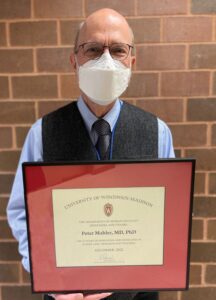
(174, 77)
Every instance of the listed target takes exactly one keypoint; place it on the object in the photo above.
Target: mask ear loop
(76, 61)
(77, 69)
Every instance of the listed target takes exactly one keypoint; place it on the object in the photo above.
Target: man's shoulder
(163, 127)
(135, 110)
(61, 111)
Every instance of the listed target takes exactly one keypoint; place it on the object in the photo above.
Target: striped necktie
(103, 130)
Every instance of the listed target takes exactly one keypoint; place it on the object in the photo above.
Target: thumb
(75, 296)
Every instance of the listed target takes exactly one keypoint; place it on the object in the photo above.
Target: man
(97, 126)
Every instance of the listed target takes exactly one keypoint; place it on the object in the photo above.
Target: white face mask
(104, 80)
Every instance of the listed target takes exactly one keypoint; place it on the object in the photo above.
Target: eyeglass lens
(118, 51)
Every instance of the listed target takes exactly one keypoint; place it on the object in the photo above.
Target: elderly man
(97, 126)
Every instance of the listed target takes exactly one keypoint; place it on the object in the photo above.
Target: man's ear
(73, 61)
(133, 60)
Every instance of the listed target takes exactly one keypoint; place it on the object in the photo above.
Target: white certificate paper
(109, 226)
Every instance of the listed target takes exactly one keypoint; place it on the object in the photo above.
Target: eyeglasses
(93, 50)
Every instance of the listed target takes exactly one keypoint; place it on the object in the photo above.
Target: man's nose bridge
(106, 49)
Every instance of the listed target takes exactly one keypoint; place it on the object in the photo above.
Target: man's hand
(81, 296)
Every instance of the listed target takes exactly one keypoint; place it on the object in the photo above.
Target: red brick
(143, 85)
(21, 133)
(19, 293)
(211, 230)
(9, 252)
(168, 296)
(17, 112)
(15, 9)
(161, 7)
(145, 30)
(185, 135)
(199, 293)
(178, 153)
(9, 273)
(169, 110)
(197, 230)
(5, 233)
(212, 183)
(195, 274)
(199, 187)
(25, 276)
(4, 87)
(54, 60)
(5, 137)
(202, 109)
(69, 87)
(203, 252)
(2, 34)
(33, 33)
(202, 57)
(205, 158)
(16, 61)
(160, 57)
(187, 29)
(205, 207)
(213, 137)
(57, 9)
(45, 107)
(124, 7)
(9, 160)
(3, 202)
(185, 83)
(214, 84)
(69, 30)
(6, 181)
(210, 274)
(35, 87)
(215, 32)
(203, 7)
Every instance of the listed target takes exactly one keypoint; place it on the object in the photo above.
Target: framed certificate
(109, 226)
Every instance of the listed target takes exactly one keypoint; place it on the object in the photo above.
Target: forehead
(110, 29)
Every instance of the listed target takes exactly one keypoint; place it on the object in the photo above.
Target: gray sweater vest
(65, 138)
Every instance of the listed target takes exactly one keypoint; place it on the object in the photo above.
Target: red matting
(176, 176)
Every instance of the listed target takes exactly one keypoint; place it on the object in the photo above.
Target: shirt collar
(89, 118)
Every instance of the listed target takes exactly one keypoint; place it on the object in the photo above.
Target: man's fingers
(69, 297)
(97, 296)
(80, 296)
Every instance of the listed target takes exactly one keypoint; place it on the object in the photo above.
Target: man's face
(105, 30)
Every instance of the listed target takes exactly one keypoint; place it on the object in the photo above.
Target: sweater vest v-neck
(65, 137)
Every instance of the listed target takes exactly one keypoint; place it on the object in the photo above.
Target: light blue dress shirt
(33, 152)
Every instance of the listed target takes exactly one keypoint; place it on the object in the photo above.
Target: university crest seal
(108, 209)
